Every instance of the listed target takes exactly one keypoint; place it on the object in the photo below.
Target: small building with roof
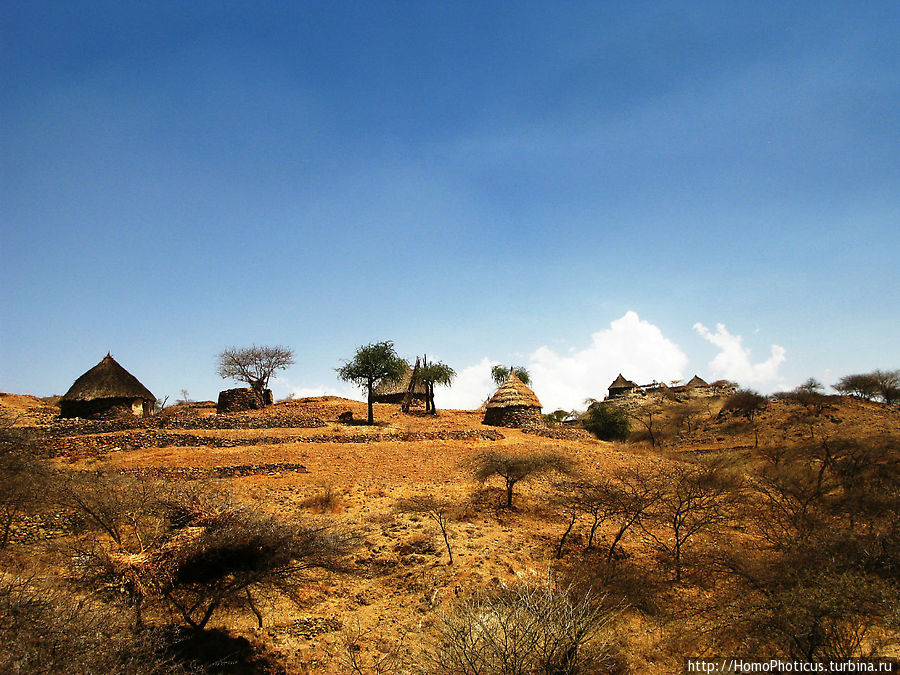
(395, 391)
(106, 390)
(696, 382)
(513, 405)
(620, 386)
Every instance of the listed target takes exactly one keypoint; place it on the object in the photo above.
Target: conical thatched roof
(696, 381)
(107, 380)
(620, 383)
(386, 388)
(513, 393)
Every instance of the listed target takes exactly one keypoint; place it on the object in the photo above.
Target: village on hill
(326, 535)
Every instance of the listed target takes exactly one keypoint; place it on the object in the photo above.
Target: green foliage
(499, 373)
(433, 374)
(372, 364)
(515, 467)
(607, 422)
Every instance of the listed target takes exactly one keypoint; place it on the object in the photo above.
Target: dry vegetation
(766, 529)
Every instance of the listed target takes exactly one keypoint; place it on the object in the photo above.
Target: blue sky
(570, 186)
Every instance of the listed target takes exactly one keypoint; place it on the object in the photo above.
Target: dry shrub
(325, 500)
(525, 629)
(44, 628)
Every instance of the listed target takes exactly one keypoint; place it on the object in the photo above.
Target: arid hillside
(293, 539)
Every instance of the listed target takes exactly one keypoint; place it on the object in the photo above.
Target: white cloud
(733, 361)
(471, 386)
(630, 346)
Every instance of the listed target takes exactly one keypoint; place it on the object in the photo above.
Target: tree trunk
(562, 540)
(369, 398)
(509, 493)
(259, 618)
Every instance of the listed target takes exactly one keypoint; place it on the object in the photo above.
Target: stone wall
(86, 446)
(242, 399)
(516, 417)
(280, 420)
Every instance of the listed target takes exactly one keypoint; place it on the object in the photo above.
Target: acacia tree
(254, 365)
(499, 374)
(514, 468)
(887, 384)
(432, 374)
(861, 385)
(606, 421)
(373, 363)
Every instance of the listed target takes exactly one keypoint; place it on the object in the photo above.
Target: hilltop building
(696, 386)
(620, 386)
(106, 390)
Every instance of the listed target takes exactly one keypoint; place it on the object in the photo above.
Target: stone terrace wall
(560, 434)
(94, 445)
(279, 420)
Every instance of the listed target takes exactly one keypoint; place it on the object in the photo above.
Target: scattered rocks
(559, 434)
(196, 472)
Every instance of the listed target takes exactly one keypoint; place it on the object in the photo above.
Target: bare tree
(192, 553)
(514, 468)
(693, 500)
(436, 509)
(254, 365)
(645, 417)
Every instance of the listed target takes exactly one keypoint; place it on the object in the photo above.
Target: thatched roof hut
(394, 392)
(513, 405)
(621, 386)
(696, 382)
(106, 390)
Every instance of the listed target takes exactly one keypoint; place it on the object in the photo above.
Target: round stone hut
(106, 390)
(513, 405)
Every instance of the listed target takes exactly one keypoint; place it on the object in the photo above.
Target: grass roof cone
(106, 390)
(513, 405)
